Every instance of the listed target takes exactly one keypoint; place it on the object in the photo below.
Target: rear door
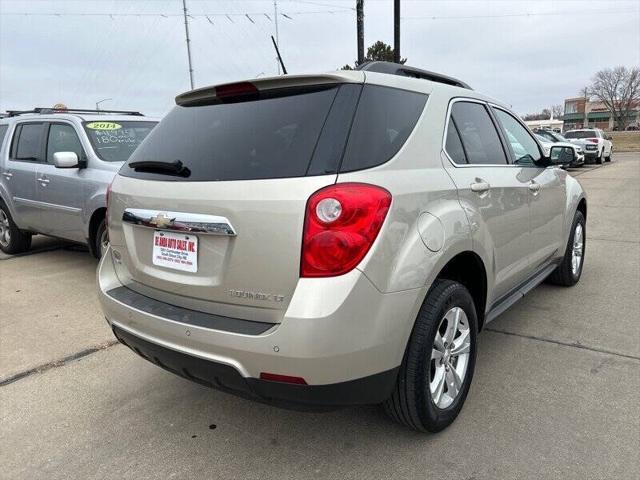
(494, 193)
(222, 232)
(547, 190)
(61, 190)
(25, 155)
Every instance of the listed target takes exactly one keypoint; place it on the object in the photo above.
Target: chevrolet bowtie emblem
(161, 220)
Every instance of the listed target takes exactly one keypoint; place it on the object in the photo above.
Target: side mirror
(561, 155)
(66, 160)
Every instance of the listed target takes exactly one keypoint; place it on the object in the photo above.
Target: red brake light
(240, 89)
(592, 140)
(341, 223)
(274, 377)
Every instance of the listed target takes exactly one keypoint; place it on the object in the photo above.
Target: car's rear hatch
(208, 213)
(254, 158)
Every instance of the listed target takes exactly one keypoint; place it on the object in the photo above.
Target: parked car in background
(575, 160)
(335, 239)
(595, 144)
(55, 167)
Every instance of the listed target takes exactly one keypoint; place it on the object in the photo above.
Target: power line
(286, 15)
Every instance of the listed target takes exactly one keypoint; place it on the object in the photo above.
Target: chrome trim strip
(35, 203)
(179, 221)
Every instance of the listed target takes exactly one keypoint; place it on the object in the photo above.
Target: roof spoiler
(218, 93)
(407, 71)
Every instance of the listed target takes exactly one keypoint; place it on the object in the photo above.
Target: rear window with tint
(581, 134)
(292, 133)
(270, 138)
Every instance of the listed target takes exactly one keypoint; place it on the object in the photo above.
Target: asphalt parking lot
(556, 393)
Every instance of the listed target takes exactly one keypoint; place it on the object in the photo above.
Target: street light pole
(100, 101)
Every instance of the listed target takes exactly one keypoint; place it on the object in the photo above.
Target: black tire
(608, 159)
(599, 158)
(18, 240)
(96, 241)
(564, 274)
(411, 403)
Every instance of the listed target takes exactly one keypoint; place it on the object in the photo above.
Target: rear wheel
(438, 364)
(608, 157)
(599, 157)
(569, 271)
(12, 240)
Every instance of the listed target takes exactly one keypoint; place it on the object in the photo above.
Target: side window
(63, 138)
(524, 147)
(453, 144)
(478, 134)
(29, 142)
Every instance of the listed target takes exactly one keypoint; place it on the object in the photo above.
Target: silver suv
(335, 239)
(55, 167)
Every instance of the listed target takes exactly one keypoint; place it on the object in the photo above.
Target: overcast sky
(528, 54)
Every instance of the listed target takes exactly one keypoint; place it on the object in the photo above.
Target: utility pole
(275, 19)
(186, 32)
(360, 29)
(396, 31)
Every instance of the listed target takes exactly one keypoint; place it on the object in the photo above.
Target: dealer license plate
(175, 250)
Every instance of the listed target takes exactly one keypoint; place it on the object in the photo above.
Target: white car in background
(578, 156)
(594, 142)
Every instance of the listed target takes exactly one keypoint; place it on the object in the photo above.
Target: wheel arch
(96, 218)
(468, 269)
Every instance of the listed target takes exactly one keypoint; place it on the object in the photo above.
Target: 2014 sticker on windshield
(104, 126)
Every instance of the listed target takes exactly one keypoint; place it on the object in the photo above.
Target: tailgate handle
(179, 221)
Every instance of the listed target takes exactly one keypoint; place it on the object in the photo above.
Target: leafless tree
(557, 110)
(619, 90)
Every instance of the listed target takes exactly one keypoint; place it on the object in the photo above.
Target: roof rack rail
(407, 71)
(47, 111)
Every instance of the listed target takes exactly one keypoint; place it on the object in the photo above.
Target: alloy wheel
(578, 249)
(449, 357)
(5, 229)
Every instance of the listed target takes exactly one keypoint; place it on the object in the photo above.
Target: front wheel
(569, 271)
(439, 361)
(100, 240)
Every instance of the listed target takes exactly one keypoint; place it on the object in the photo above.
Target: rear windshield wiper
(164, 168)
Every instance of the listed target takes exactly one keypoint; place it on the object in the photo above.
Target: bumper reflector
(274, 377)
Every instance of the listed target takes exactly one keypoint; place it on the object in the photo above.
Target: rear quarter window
(384, 120)
(3, 133)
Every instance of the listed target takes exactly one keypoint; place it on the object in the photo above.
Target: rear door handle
(44, 181)
(7, 175)
(480, 187)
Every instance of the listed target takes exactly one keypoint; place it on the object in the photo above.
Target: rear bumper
(342, 336)
(372, 389)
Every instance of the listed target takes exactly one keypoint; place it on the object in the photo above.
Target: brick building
(597, 114)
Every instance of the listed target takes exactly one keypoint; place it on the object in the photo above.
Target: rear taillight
(341, 223)
(592, 140)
